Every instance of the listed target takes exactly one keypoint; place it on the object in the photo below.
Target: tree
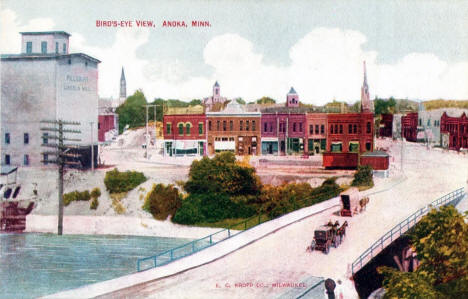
(162, 201)
(132, 112)
(441, 242)
(240, 101)
(363, 176)
(266, 100)
(195, 102)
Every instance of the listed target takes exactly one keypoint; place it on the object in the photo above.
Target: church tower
(365, 97)
(123, 87)
(292, 98)
(216, 92)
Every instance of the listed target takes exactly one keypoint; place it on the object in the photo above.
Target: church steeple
(123, 86)
(365, 97)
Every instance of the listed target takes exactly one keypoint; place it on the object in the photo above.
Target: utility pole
(92, 147)
(61, 153)
(147, 132)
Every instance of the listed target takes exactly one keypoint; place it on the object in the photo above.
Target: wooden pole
(60, 161)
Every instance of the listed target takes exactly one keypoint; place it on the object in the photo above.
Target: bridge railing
(176, 253)
(402, 228)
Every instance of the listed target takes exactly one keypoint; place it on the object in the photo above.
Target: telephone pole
(147, 131)
(61, 152)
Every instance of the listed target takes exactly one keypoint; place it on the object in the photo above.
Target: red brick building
(457, 130)
(234, 129)
(350, 132)
(386, 125)
(106, 122)
(184, 134)
(409, 126)
(316, 133)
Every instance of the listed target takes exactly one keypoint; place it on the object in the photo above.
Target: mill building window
(56, 48)
(28, 47)
(7, 160)
(26, 160)
(44, 47)
(26, 138)
(7, 138)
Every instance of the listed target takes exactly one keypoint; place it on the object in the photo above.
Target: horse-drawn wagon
(328, 235)
(352, 203)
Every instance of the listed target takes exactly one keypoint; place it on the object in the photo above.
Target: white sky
(413, 49)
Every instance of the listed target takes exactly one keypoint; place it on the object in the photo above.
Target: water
(34, 265)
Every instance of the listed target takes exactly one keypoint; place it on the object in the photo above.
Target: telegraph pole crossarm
(61, 154)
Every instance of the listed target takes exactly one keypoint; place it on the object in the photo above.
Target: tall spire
(123, 86)
(365, 97)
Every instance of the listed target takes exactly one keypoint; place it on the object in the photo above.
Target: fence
(402, 228)
(199, 244)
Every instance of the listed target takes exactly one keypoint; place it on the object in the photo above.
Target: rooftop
(45, 33)
(45, 56)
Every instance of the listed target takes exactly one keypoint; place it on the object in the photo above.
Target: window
(331, 129)
(181, 129)
(26, 160)
(7, 160)
(56, 48)
(336, 129)
(420, 122)
(300, 127)
(45, 140)
(294, 127)
(271, 127)
(209, 125)
(368, 127)
(368, 146)
(28, 47)
(311, 129)
(316, 129)
(428, 122)
(322, 129)
(253, 125)
(217, 125)
(7, 138)
(200, 128)
(355, 129)
(336, 147)
(45, 158)
(350, 129)
(99, 125)
(247, 125)
(341, 129)
(64, 48)
(187, 129)
(354, 147)
(44, 47)
(265, 127)
(241, 124)
(168, 128)
(26, 138)
(231, 125)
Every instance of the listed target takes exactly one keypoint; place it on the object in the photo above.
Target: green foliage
(222, 175)
(162, 201)
(76, 196)
(406, 285)
(436, 104)
(96, 192)
(117, 181)
(279, 200)
(132, 112)
(265, 100)
(94, 203)
(382, 106)
(240, 101)
(363, 176)
(210, 208)
(441, 241)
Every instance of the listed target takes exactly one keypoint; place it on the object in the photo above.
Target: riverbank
(115, 225)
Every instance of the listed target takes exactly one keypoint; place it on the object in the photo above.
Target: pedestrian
(330, 288)
(339, 290)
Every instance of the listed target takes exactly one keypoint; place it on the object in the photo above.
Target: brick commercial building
(350, 132)
(46, 82)
(233, 129)
(283, 129)
(184, 131)
(386, 125)
(456, 130)
(409, 126)
(316, 133)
